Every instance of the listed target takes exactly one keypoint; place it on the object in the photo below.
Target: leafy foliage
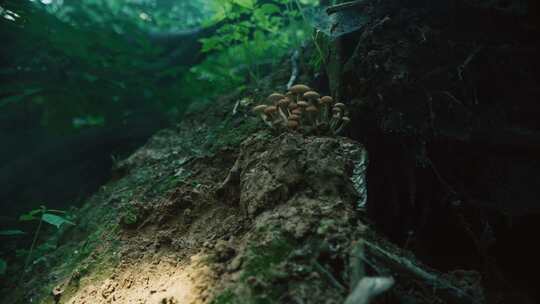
(252, 39)
(47, 216)
(82, 59)
(90, 63)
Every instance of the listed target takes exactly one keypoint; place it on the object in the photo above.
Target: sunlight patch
(161, 280)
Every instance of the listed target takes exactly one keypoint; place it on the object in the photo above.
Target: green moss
(262, 260)
(129, 215)
(226, 297)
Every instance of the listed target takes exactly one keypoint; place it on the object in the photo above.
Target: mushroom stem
(344, 123)
(282, 114)
(334, 122)
(265, 119)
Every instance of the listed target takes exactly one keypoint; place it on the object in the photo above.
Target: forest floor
(219, 211)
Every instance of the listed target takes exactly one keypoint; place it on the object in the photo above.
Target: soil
(272, 221)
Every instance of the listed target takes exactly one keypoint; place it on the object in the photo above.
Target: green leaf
(3, 266)
(245, 3)
(11, 232)
(269, 9)
(31, 215)
(55, 220)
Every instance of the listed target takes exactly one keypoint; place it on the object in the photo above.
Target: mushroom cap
(327, 99)
(297, 111)
(311, 95)
(259, 108)
(275, 97)
(293, 105)
(303, 103)
(339, 105)
(299, 89)
(270, 109)
(336, 116)
(283, 102)
(293, 124)
(346, 119)
(336, 109)
(294, 117)
(312, 109)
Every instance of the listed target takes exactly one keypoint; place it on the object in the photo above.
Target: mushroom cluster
(302, 109)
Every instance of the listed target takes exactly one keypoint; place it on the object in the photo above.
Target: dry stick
(329, 276)
(452, 292)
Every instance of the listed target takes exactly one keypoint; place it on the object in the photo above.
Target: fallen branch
(451, 293)
(328, 275)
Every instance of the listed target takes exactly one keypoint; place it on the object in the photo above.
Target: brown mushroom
(294, 117)
(299, 89)
(274, 97)
(326, 103)
(283, 102)
(293, 105)
(311, 95)
(260, 109)
(303, 103)
(312, 113)
(312, 109)
(282, 107)
(292, 124)
(297, 111)
(326, 100)
(270, 110)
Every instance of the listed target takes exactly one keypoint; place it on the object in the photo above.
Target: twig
(468, 60)
(235, 109)
(294, 70)
(344, 6)
(329, 276)
(453, 293)
(452, 97)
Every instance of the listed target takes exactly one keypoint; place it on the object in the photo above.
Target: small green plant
(52, 217)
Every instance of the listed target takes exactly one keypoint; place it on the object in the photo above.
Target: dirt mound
(276, 222)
